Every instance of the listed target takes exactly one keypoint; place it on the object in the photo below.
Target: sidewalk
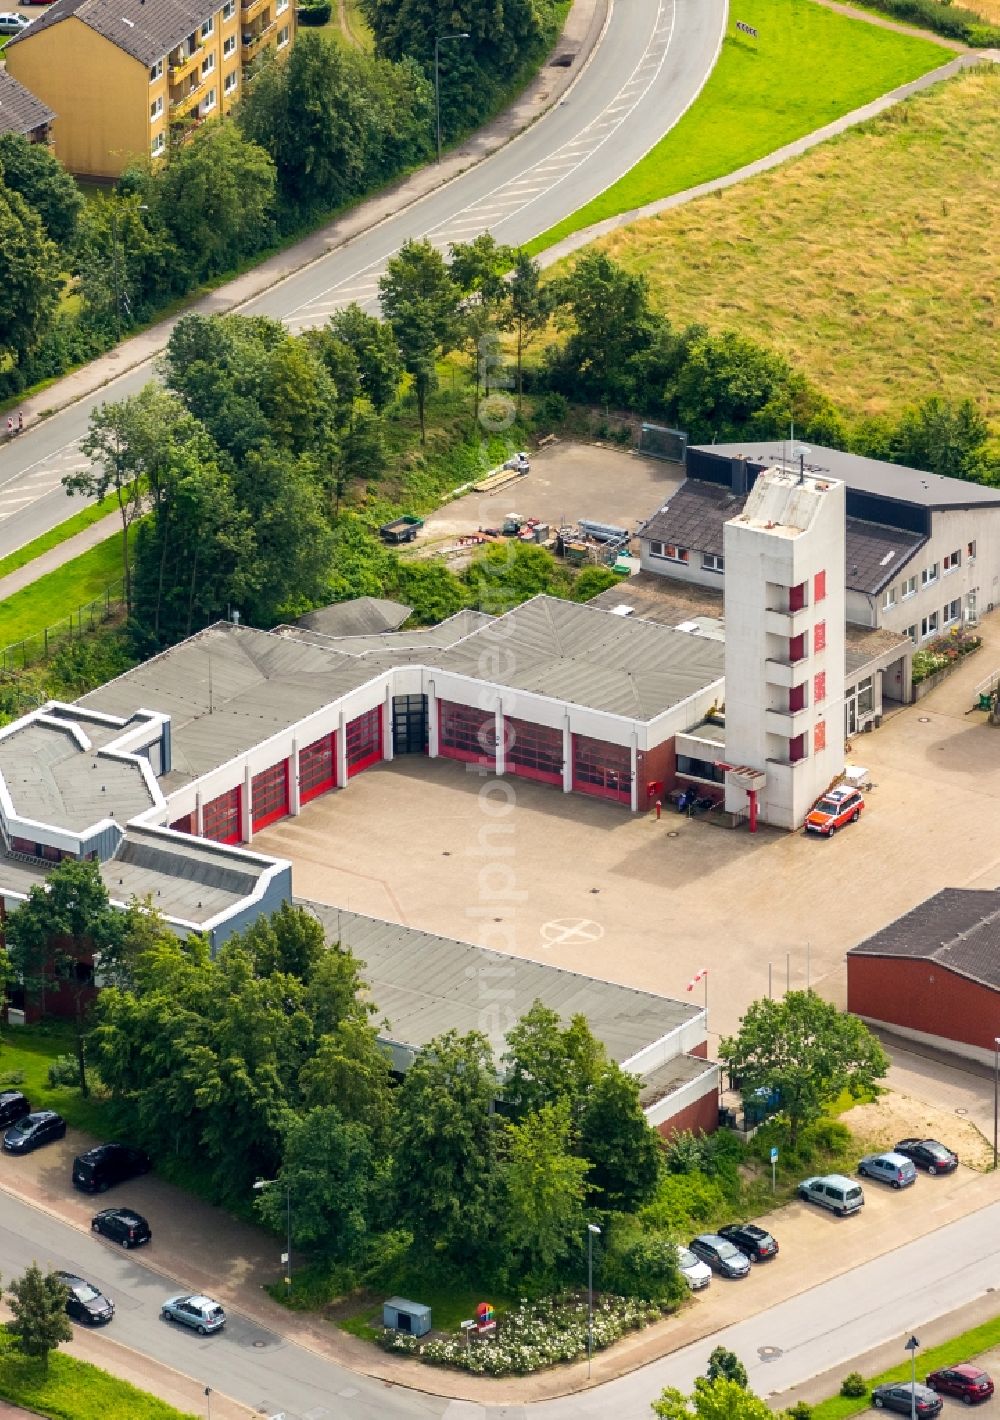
(584, 27)
(56, 556)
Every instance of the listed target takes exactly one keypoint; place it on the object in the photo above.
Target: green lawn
(808, 66)
(960, 1348)
(93, 513)
(57, 596)
(26, 1052)
(75, 1390)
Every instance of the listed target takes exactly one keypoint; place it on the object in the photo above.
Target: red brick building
(933, 975)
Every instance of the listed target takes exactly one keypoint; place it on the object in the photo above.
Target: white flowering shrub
(535, 1335)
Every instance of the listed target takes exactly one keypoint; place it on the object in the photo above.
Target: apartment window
(208, 28)
(819, 736)
(231, 82)
(673, 553)
(909, 588)
(970, 551)
(819, 636)
(888, 598)
(155, 109)
(228, 10)
(929, 575)
(819, 687)
(281, 7)
(929, 626)
(228, 46)
(819, 586)
(283, 34)
(953, 611)
(713, 562)
(158, 144)
(156, 72)
(207, 65)
(209, 103)
(952, 561)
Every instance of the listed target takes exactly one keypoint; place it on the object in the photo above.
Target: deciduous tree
(29, 291)
(420, 302)
(721, 1399)
(544, 1186)
(37, 174)
(530, 308)
(805, 1049)
(622, 1148)
(38, 1304)
(374, 347)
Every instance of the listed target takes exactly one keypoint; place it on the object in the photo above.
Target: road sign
(774, 1156)
(747, 29)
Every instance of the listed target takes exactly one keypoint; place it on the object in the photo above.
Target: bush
(551, 410)
(854, 1386)
(799, 1411)
(64, 1070)
(315, 14)
(643, 1264)
(943, 18)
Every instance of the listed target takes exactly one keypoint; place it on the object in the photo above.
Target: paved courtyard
(584, 885)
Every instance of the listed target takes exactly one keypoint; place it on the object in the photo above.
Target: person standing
(20, 421)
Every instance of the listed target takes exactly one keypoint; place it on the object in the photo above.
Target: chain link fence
(39, 647)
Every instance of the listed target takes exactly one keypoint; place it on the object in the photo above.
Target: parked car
(83, 1300)
(34, 1130)
(720, 1255)
(106, 1164)
(11, 23)
(201, 1313)
(758, 1244)
(898, 1397)
(967, 1382)
(13, 1106)
(928, 1154)
(836, 807)
(123, 1226)
(834, 1191)
(697, 1274)
(894, 1169)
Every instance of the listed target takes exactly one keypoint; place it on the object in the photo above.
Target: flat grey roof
(361, 616)
(588, 656)
(870, 649)
(395, 647)
(885, 480)
(227, 689)
(51, 779)
(957, 928)
(424, 985)
(669, 1076)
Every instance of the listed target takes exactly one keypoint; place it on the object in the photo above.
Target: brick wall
(701, 1117)
(923, 996)
(658, 765)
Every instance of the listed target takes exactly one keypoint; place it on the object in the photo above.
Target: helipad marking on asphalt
(571, 932)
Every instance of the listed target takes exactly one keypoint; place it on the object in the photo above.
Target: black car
(928, 1154)
(123, 1226)
(720, 1255)
(34, 1130)
(906, 1398)
(84, 1302)
(757, 1244)
(106, 1164)
(13, 1106)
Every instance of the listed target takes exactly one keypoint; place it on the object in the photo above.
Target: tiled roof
(20, 111)
(146, 29)
(696, 514)
(958, 928)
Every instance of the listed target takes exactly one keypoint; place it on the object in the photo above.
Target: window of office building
(713, 562)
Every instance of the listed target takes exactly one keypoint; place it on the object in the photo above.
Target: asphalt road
(651, 64)
(819, 1329)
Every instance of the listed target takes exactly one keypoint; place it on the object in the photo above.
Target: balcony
(249, 11)
(182, 62)
(786, 723)
(783, 673)
(254, 43)
(182, 105)
(786, 623)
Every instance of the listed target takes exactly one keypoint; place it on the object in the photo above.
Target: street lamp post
(996, 1093)
(911, 1346)
(592, 1230)
(263, 1183)
(441, 39)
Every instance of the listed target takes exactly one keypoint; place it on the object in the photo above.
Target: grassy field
(808, 66)
(75, 1390)
(25, 1056)
(960, 1348)
(871, 262)
(93, 513)
(59, 593)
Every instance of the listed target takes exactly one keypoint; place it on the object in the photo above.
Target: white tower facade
(784, 598)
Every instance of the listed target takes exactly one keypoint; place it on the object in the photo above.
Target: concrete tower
(784, 595)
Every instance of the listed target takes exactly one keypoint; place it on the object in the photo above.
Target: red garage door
(317, 768)
(466, 733)
(534, 751)
(220, 818)
(364, 741)
(602, 769)
(269, 799)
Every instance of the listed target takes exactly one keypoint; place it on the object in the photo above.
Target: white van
(834, 1191)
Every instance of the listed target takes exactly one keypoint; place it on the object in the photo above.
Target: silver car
(895, 1169)
(697, 1274)
(200, 1313)
(11, 23)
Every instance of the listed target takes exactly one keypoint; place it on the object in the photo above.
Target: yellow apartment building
(122, 74)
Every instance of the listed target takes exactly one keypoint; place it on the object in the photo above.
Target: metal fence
(21, 654)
